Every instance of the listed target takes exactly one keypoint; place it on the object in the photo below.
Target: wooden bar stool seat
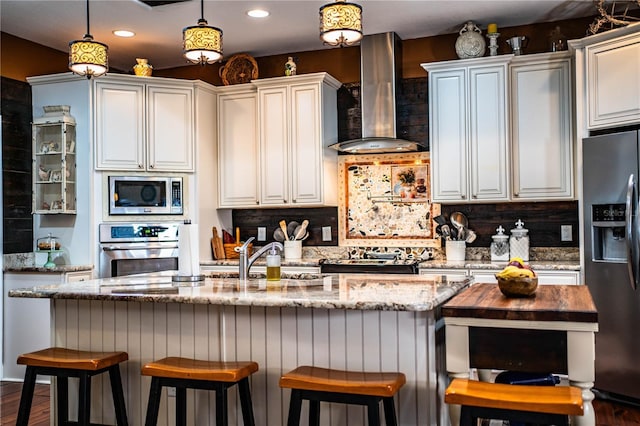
(64, 363)
(549, 405)
(317, 384)
(185, 373)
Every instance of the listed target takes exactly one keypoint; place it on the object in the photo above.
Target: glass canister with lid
(519, 241)
(500, 246)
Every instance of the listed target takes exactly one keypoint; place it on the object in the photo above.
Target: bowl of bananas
(517, 279)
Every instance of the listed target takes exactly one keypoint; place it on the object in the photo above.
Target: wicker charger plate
(240, 68)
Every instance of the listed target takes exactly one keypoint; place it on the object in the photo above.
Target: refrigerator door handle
(629, 228)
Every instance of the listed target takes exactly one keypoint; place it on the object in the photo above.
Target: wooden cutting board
(218, 248)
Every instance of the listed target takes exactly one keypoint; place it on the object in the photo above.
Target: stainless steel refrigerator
(612, 255)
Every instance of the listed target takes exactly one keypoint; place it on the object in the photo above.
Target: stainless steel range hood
(380, 62)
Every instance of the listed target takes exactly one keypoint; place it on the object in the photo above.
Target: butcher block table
(553, 332)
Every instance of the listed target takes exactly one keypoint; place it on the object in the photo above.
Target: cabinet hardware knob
(284, 201)
(474, 196)
(151, 166)
(257, 202)
(515, 194)
(464, 197)
(139, 166)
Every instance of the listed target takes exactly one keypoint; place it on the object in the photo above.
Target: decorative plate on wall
(240, 68)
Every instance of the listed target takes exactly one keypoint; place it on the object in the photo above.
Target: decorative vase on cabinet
(470, 43)
(54, 161)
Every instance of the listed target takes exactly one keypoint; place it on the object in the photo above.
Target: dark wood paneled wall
(249, 220)
(16, 166)
(543, 221)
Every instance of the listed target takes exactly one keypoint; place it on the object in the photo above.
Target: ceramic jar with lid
(500, 246)
(470, 43)
(519, 241)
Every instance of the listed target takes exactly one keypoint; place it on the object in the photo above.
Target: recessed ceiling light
(124, 33)
(258, 13)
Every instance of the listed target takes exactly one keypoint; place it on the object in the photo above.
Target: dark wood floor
(607, 413)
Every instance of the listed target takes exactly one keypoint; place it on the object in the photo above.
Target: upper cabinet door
(119, 126)
(613, 82)
(170, 128)
(238, 149)
(448, 134)
(542, 130)
(274, 145)
(488, 133)
(306, 144)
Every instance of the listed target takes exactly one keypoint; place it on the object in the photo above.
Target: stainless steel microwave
(147, 195)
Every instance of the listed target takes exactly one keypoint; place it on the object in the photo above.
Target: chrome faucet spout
(246, 261)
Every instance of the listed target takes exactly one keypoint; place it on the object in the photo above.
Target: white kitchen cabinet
(443, 271)
(238, 149)
(298, 121)
(27, 322)
(544, 277)
(274, 133)
(144, 124)
(468, 128)
(541, 126)
(613, 82)
(499, 135)
(54, 162)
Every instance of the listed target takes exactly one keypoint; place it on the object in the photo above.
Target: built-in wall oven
(136, 248)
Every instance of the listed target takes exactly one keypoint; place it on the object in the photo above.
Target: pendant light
(88, 57)
(202, 44)
(341, 23)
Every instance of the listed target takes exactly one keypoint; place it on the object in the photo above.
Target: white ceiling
(291, 27)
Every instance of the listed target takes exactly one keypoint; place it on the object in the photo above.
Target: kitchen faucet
(246, 262)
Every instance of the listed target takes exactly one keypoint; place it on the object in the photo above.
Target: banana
(512, 271)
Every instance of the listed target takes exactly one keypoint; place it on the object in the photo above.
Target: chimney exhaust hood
(380, 62)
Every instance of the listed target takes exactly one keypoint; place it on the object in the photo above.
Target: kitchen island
(344, 321)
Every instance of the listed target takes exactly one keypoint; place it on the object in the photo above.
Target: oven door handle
(148, 246)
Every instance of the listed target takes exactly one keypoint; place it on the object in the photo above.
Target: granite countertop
(383, 292)
(56, 269)
(261, 261)
(549, 265)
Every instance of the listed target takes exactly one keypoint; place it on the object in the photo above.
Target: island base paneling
(278, 339)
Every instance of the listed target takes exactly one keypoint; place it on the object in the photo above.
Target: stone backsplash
(436, 253)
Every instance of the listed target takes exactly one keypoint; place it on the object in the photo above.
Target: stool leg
(389, 411)
(314, 412)
(181, 406)
(466, 418)
(26, 398)
(373, 413)
(245, 402)
(84, 400)
(118, 395)
(154, 402)
(221, 407)
(294, 408)
(63, 399)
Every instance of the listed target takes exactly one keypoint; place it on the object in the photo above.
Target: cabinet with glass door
(54, 161)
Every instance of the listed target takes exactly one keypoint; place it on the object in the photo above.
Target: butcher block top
(568, 303)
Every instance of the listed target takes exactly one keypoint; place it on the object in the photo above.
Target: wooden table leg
(581, 363)
(457, 338)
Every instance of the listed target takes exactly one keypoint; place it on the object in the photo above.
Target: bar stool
(347, 387)
(64, 363)
(547, 405)
(185, 373)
